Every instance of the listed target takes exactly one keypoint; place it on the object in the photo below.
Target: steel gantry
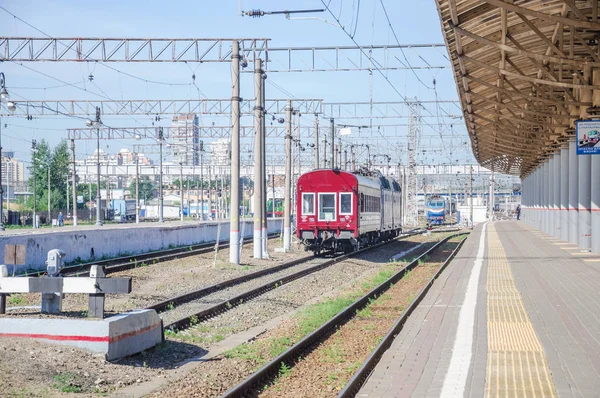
(159, 107)
(279, 59)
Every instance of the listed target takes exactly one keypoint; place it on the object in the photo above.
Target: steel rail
(128, 262)
(361, 375)
(290, 356)
(226, 305)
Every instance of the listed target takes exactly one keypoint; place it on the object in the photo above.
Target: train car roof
(372, 182)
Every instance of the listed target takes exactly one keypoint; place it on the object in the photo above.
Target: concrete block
(116, 337)
(83, 243)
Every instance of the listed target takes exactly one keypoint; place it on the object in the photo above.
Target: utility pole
(34, 150)
(316, 141)
(74, 179)
(287, 230)
(160, 179)
(324, 151)
(67, 195)
(201, 182)
(49, 196)
(339, 153)
(98, 197)
(332, 139)
(234, 218)
(257, 159)
(263, 167)
(181, 191)
(137, 188)
(353, 158)
(471, 194)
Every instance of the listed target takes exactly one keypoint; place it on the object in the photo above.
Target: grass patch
(17, 299)
(335, 353)
(66, 382)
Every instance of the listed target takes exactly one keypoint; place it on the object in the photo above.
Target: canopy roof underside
(523, 70)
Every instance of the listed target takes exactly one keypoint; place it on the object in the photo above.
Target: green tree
(146, 188)
(40, 162)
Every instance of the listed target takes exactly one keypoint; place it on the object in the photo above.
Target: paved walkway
(515, 314)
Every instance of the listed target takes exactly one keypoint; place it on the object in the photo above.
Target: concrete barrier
(87, 243)
(115, 337)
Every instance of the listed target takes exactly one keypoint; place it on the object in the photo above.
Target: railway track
(257, 383)
(224, 304)
(128, 262)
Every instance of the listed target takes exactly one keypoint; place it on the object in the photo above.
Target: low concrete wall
(85, 244)
(115, 337)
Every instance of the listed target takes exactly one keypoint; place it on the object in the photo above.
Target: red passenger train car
(338, 211)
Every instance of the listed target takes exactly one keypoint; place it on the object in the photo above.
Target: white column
(550, 230)
(585, 192)
(573, 192)
(595, 201)
(556, 194)
(564, 192)
(544, 204)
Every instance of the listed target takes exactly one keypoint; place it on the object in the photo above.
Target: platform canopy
(520, 67)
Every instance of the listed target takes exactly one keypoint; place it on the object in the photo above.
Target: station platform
(516, 314)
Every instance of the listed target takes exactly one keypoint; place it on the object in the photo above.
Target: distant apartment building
(221, 152)
(185, 139)
(13, 174)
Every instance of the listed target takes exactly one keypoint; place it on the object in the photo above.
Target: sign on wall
(588, 137)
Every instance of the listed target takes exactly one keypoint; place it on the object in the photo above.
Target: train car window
(362, 202)
(308, 203)
(326, 207)
(345, 203)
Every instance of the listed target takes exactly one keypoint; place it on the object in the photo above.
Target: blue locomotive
(436, 210)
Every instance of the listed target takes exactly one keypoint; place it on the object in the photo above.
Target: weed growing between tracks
(262, 351)
(325, 370)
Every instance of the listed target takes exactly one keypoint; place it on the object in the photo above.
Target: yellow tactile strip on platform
(516, 365)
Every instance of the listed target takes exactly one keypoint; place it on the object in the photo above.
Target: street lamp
(97, 123)
(4, 99)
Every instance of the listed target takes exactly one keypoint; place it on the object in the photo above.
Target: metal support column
(585, 172)
(550, 187)
(74, 183)
(234, 219)
(137, 188)
(287, 239)
(181, 191)
(556, 194)
(316, 141)
(564, 192)
(595, 182)
(595, 205)
(332, 143)
(257, 158)
(263, 168)
(585, 192)
(573, 191)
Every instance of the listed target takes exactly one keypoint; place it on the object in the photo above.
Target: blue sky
(414, 22)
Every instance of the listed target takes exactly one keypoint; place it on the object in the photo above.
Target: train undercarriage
(330, 243)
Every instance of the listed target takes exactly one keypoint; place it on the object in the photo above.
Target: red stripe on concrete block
(95, 339)
(123, 336)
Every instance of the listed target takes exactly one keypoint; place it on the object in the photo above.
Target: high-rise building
(13, 170)
(221, 152)
(185, 139)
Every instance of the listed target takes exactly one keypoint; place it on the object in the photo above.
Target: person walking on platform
(60, 219)
(518, 212)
